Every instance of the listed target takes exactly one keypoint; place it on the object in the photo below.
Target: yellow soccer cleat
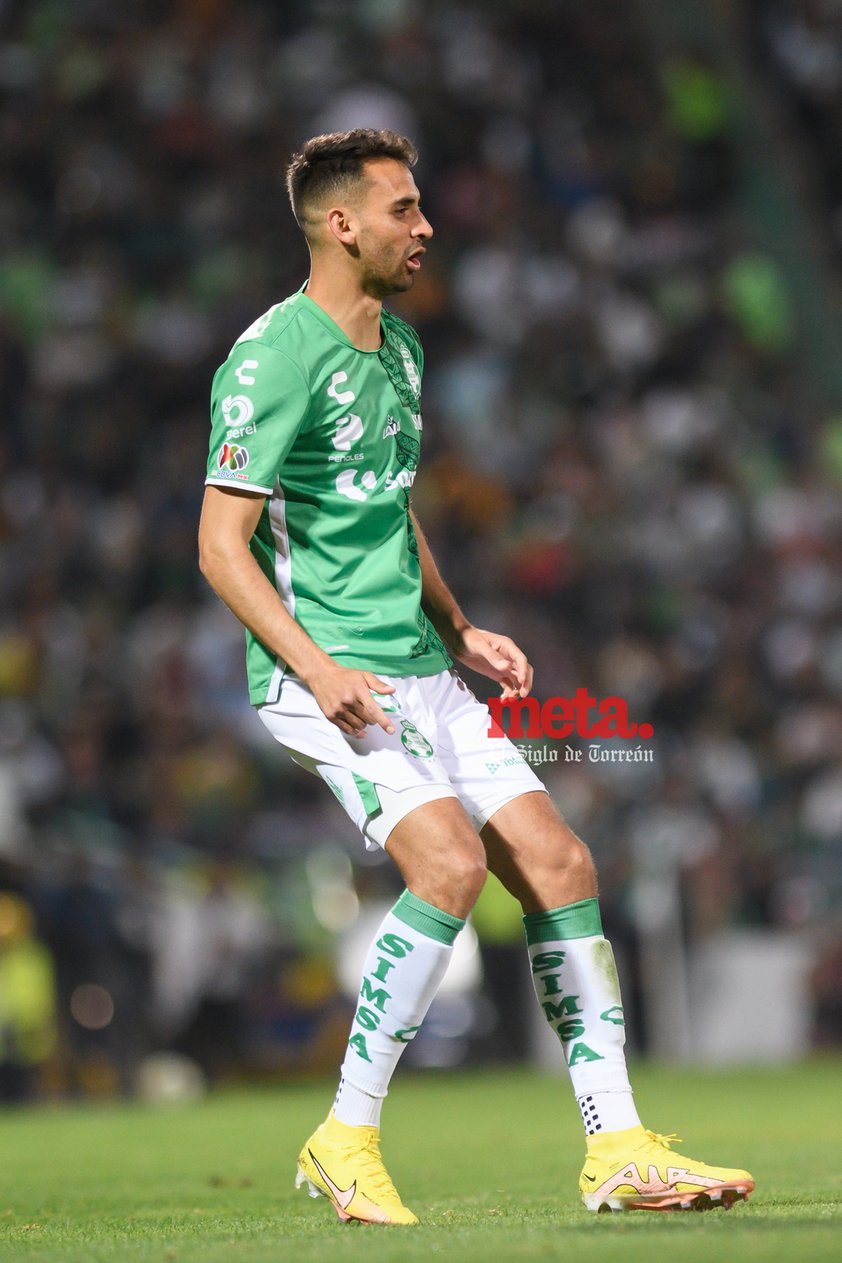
(343, 1164)
(637, 1170)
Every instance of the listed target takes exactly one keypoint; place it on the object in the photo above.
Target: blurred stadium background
(633, 464)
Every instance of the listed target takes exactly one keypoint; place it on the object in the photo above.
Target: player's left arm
(489, 653)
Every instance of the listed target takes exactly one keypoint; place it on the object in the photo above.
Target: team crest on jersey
(391, 427)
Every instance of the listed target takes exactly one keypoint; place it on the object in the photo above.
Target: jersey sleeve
(259, 401)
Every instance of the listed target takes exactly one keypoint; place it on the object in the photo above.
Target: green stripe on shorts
(369, 795)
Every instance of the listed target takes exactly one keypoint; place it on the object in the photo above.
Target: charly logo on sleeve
(244, 373)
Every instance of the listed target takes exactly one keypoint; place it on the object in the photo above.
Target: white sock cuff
(355, 1107)
(602, 1076)
(377, 1090)
(608, 1111)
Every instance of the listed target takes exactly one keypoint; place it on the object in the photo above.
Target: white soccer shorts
(440, 749)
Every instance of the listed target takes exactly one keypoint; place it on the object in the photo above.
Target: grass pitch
(489, 1161)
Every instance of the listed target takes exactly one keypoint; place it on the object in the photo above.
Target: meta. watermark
(558, 718)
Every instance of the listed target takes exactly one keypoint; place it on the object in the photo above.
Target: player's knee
(569, 861)
(579, 859)
(467, 870)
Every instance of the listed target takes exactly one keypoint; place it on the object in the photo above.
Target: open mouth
(414, 261)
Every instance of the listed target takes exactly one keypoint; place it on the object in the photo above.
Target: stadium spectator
(626, 465)
(27, 1002)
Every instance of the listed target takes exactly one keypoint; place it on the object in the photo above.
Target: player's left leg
(550, 871)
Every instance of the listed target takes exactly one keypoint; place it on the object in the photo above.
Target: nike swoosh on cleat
(591, 1179)
(343, 1196)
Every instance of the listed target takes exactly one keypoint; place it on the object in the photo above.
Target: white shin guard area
(402, 973)
(578, 989)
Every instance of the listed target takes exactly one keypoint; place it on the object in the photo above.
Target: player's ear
(339, 225)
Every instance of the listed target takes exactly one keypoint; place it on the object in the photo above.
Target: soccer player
(309, 536)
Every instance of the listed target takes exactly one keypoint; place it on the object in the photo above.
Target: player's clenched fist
(344, 697)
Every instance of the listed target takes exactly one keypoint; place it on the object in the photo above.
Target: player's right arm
(229, 519)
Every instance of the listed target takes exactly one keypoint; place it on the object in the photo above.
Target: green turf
(490, 1163)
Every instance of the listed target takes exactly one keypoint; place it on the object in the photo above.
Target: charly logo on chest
(347, 435)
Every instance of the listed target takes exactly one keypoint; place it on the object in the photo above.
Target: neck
(356, 313)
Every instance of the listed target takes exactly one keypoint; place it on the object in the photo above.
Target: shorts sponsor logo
(414, 742)
(511, 760)
(232, 458)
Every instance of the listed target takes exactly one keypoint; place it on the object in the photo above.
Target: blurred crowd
(799, 44)
(625, 468)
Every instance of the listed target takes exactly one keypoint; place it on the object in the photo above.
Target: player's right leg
(411, 810)
(442, 861)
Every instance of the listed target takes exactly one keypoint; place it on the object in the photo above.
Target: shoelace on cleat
(665, 1142)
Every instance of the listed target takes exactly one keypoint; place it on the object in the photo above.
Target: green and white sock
(577, 986)
(402, 973)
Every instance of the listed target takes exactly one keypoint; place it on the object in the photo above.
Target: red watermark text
(560, 717)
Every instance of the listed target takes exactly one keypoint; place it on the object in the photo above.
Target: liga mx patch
(232, 457)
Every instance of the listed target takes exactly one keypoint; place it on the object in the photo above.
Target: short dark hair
(330, 163)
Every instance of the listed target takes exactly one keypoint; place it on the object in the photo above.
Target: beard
(381, 277)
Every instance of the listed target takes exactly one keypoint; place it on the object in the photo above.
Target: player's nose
(423, 228)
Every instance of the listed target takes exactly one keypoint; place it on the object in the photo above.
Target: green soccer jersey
(331, 435)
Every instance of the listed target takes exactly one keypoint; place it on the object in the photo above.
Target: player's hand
(345, 698)
(499, 658)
